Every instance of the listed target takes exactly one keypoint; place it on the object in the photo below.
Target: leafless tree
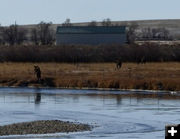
(42, 34)
(106, 22)
(45, 33)
(21, 35)
(10, 34)
(131, 33)
(67, 22)
(14, 34)
(34, 36)
(148, 33)
(155, 33)
(92, 23)
(162, 33)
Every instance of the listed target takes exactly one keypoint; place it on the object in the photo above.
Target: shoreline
(93, 89)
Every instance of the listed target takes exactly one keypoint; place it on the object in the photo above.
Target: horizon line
(138, 20)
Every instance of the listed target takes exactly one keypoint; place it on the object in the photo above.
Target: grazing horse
(37, 71)
(118, 64)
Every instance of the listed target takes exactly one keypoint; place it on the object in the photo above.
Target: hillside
(173, 25)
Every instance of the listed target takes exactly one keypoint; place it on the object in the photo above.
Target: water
(114, 114)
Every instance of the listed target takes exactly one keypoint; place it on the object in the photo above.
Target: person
(37, 71)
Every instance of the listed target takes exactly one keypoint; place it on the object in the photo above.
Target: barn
(91, 35)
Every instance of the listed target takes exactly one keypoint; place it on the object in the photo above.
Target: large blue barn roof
(91, 29)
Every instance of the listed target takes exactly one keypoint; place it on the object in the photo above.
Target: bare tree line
(14, 34)
(43, 34)
(155, 34)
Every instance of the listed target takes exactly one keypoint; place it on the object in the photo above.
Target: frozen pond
(115, 114)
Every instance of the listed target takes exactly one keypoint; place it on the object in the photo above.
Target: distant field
(153, 76)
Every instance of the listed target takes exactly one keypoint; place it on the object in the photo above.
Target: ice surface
(112, 115)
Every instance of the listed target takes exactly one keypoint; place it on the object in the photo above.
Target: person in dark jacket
(37, 71)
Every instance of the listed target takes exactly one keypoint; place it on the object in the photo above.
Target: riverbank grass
(149, 76)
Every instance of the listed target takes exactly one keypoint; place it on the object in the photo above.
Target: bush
(82, 53)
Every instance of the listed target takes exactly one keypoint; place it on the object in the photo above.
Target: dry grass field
(150, 76)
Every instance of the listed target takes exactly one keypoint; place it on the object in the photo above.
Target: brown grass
(150, 76)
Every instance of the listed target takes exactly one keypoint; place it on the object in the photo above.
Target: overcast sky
(34, 11)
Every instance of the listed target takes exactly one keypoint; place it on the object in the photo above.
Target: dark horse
(118, 64)
(37, 71)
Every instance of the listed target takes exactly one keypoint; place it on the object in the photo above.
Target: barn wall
(91, 39)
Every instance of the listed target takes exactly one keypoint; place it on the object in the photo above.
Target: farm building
(92, 35)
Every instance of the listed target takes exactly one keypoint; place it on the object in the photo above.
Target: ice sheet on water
(112, 116)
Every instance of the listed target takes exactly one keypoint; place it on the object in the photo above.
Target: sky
(57, 11)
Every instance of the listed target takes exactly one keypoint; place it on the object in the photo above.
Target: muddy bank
(42, 127)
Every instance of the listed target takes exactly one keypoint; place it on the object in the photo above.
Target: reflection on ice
(37, 98)
(114, 114)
